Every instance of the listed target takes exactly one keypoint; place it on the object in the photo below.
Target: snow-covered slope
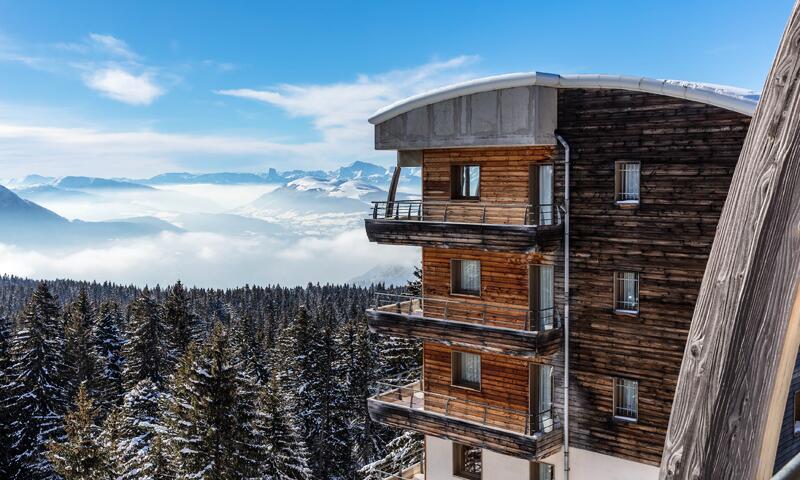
(397, 275)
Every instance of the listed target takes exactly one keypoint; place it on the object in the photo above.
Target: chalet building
(565, 224)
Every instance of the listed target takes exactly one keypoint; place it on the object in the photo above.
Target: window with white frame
(626, 399)
(626, 180)
(626, 292)
(466, 370)
(465, 182)
(465, 277)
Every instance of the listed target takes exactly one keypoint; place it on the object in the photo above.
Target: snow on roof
(731, 98)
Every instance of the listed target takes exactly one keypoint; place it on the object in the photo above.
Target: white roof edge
(623, 82)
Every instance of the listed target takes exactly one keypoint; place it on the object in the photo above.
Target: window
(466, 370)
(465, 182)
(626, 399)
(626, 292)
(467, 462)
(541, 194)
(797, 413)
(541, 297)
(626, 181)
(542, 471)
(465, 277)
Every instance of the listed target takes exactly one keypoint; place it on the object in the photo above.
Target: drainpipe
(566, 304)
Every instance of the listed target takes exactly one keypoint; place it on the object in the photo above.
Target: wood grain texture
(688, 153)
(745, 332)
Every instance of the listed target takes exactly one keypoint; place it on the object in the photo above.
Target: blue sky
(130, 88)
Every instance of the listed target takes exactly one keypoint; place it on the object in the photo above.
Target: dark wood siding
(688, 152)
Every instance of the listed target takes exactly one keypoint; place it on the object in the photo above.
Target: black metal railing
(505, 316)
(468, 212)
(413, 397)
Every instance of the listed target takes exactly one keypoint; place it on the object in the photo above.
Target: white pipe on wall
(566, 304)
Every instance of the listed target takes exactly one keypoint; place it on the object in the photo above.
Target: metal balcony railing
(409, 467)
(413, 397)
(468, 212)
(471, 312)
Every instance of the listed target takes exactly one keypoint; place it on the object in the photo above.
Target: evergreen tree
(108, 342)
(358, 373)
(5, 398)
(113, 441)
(144, 350)
(283, 455)
(80, 356)
(80, 455)
(210, 414)
(179, 321)
(403, 451)
(37, 394)
(138, 424)
(321, 402)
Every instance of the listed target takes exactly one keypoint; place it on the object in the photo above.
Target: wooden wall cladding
(688, 152)
(504, 171)
(504, 276)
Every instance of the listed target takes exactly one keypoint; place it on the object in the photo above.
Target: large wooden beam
(745, 332)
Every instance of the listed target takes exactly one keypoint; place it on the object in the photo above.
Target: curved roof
(737, 100)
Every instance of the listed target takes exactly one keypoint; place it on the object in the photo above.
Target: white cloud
(112, 45)
(339, 111)
(209, 260)
(123, 86)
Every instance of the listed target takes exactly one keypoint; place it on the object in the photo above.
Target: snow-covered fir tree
(6, 433)
(37, 394)
(80, 356)
(139, 423)
(107, 340)
(282, 452)
(80, 456)
(179, 320)
(210, 418)
(144, 351)
(401, 452)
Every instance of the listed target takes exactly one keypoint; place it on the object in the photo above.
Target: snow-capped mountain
(397, 275)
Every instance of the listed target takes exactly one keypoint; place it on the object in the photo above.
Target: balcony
(466, 224)
(507, 431)
(488, 327)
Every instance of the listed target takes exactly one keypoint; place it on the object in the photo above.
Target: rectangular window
(542, 471)
(541, 297)
(626, 292)
(467, 462)
(465, 277)
(797, 413)
(466, 370)
(626, 182)
(465, 182)
(626, 399)
(543, 211)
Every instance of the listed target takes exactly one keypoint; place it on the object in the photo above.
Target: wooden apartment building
(649, 164)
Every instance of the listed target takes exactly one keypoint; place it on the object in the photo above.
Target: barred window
(465, 277)
(626, 399)
(465, 182)
(467, 462)
(466, 369)
(542, 471)
(626, 292)
(627, 181)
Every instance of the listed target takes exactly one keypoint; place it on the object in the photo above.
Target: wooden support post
(745, 333)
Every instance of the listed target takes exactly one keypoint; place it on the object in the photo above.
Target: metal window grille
(468, 461)
(628, 174)
(626, 291)
(626, 398)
